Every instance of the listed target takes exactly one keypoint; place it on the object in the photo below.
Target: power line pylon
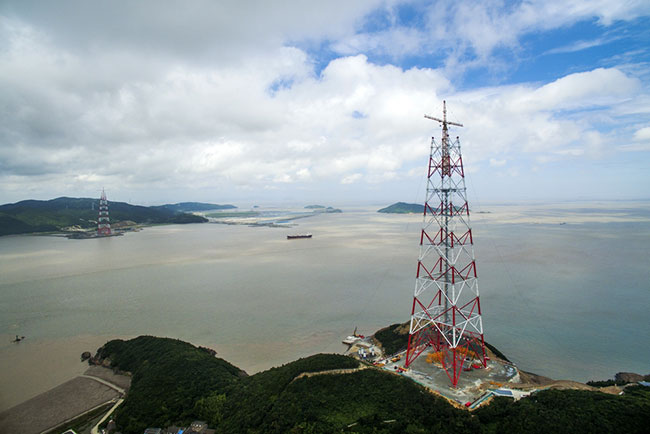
(446, 313)
(103, 222)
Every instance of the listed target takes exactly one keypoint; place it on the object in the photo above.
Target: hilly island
(30, 216)
(403, 208)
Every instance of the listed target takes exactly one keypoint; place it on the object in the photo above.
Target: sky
(249, 102)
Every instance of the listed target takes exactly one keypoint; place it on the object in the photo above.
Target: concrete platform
(471, 384)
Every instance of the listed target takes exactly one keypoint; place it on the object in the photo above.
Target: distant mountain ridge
(193, 206)
(30, 216)
(403, 208)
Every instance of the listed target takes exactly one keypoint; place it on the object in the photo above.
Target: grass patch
(393, 338)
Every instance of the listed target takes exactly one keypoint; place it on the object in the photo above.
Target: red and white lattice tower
(446, 313)
(103, 222)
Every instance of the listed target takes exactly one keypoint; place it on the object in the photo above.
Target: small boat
(295, 237)
(350, 340)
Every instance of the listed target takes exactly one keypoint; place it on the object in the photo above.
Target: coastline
(98, 389)
(35, 366)
(87, 397)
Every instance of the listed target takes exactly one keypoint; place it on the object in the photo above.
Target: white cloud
(579, 46)
(641, 139)
(585, 89)
(224, 101)
(209, 127)
(468, 32)
(350, 179)
(642, 134)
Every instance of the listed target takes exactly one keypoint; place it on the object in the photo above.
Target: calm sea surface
(565, 290)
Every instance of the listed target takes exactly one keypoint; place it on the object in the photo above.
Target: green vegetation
(606, 383)
(569, 411)
(314, 207)
(193, 207)
(10, 226)
(248, 403)
(371, 401)
(403, 208)
(53, 215)
(169, 376)
(220, 215)
(175, 382)
(393, 338)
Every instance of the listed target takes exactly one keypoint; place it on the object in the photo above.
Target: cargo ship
(295, 237)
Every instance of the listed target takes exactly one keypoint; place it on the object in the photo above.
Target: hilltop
(29, 216)
(174, 382)
(403, 208)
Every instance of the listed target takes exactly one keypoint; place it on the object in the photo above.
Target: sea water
(565, 289)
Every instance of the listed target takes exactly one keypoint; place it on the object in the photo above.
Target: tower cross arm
(443, 121)
(433, 119)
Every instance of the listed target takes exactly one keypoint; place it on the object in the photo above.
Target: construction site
(476, 385)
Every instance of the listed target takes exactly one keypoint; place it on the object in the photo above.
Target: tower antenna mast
(103, 221)
(446, 312)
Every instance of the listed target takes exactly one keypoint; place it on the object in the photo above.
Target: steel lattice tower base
(103, 222)
(446, 313)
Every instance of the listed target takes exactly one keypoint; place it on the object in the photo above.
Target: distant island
(175, 383)
(220, 215)
(322, 208)
(403, 208)
(193, 207)
(68, 213)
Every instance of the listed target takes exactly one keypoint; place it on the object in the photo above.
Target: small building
(198, 426)
(153, 431)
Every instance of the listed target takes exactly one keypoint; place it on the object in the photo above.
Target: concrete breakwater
(97, 387)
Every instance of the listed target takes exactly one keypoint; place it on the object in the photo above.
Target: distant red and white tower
(103, 222)
(446, 313)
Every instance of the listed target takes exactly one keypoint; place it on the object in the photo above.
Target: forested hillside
(175, 383)
(30, 216)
